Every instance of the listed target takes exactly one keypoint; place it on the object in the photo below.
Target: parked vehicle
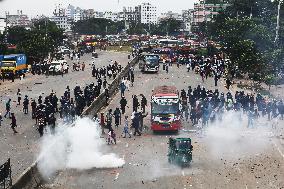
(58, 66)
(180, 151)
(14, 63)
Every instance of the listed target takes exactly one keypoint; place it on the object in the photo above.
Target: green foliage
(167, 26)
(246, 32)
(270, 80)
(97, 26)
(43, 38)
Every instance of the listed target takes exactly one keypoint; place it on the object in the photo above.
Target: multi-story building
(2, 25)
(98, 14)
(187, 18)
(132, 15)
(77, 14)
(87, 14)
(60, 18)
(19, 19)
(148, 14)
(206, 12)
(170, 14)
(70, 11)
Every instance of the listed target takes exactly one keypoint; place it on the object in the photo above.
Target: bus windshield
(152, 59)
(165, 109)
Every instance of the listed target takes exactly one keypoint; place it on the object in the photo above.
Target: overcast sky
(38, 7)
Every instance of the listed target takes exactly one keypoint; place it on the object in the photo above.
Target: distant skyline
(38, 7)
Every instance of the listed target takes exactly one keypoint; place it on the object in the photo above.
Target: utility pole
(276, 41)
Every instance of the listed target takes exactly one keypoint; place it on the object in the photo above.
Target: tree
(97, 26)
(167, 26)
(43, 38)
(246, 32)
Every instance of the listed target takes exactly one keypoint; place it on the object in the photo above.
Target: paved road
(22, 148)
(222, 158)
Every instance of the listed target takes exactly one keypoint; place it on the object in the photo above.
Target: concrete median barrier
(31, 177)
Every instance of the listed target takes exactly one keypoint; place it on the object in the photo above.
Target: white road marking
(123, 156)
(246, 187)
(126, 145)
(182, 173)
(116, 176)
(277, 147)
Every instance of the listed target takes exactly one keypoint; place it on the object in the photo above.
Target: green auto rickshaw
(180, 151)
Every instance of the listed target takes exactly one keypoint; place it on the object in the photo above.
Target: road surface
(222, 158)
(22, 148)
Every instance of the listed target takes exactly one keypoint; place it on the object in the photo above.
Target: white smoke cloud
(77, 147)
(231, 137)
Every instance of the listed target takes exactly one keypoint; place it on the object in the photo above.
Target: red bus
(165, 109)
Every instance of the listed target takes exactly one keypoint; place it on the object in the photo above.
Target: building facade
(2, 25)
(148, 14)
(60, 19)
(18, 19)
(187, 18)
(204, 12)
(170, 14)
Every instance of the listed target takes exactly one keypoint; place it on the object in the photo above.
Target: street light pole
(278, 24)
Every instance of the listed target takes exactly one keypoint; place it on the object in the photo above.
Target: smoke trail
(230, 136)
(78, 147)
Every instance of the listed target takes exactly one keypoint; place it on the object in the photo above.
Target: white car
(58, 66)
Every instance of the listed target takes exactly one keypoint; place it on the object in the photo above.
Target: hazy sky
(38, 7)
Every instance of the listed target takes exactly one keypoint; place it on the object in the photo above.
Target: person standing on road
(132, 78)
(122, 87)
(135, 103)
(33, 105)
(123, 103)
(216, 78)
(8, 108)
(117, 117)
(126, 128)
(13, 123)
(143, 103)
(26, 105)
(109, 119)
(102, 123)
(167, 68)
(19, 95)
(83, 66)
(1, 119)
(135, 124)
(228, 83)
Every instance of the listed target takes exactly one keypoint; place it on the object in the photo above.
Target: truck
(14, 64)
(149, 63)
(165, 109)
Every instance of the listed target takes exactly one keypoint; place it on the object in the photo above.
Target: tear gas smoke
(230, 136)
(77, 147)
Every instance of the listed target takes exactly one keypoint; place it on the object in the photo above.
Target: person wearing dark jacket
(143, 103)
(123, 103)
(117, 117)
(14, 123)
(135, 103)
(135, 124)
